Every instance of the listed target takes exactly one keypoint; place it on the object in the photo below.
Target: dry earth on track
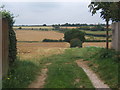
(96, 81)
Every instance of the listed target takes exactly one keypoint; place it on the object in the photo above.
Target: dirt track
(97, 82)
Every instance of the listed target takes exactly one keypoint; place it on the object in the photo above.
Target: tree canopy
(108, 10)
(115, 11)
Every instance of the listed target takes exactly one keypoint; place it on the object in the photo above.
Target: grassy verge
(104, 62)
(64, 72)
(21, 74)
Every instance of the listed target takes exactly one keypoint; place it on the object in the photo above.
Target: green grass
(21, 74)
(104, 62)
(96, 32)
(63, 72)
(60, 75)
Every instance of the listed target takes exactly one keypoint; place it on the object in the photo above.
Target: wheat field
(31, 35)
(31, 50)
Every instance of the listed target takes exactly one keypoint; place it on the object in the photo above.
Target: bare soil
(40, 81)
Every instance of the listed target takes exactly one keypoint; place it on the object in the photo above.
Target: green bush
(75, 43)
(74, 33)
(20, 28)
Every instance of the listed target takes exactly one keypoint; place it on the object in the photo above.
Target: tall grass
(63, 72)
(21, 74)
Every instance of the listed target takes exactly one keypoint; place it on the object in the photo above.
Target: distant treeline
(90, 27)
(66, 24)
(78, 25)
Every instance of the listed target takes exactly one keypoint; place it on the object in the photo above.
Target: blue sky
(52, 12)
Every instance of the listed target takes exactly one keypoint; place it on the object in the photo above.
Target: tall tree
(105, 14)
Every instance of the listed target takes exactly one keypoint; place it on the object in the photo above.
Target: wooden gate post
(116, 36)
(5, 47)
(0, 52)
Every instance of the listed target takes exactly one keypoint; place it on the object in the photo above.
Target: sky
(51, 12)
